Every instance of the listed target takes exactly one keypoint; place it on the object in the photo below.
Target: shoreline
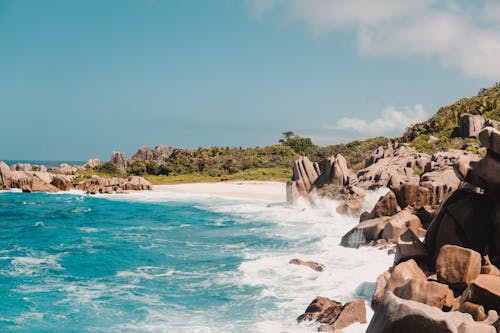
(272, 191)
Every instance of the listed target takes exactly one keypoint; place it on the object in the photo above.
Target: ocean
(173, 263)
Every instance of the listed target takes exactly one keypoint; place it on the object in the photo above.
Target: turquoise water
(76, 263)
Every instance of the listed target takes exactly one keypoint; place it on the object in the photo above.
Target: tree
(287, 135)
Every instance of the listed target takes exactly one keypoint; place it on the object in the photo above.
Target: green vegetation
(278, 174)
(274, 162)
(441, 125)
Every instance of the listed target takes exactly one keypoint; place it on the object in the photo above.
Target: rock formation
(38, 181)
(159, 154)
(470, 125)
(333, 314)
(119, 160)
(448, 283)
(92, 163)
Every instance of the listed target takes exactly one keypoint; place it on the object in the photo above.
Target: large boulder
(92, 163)
(364, 232)
(352, 312)
(440, 184)
(39, 185)
(427, 292)
(387, 205)
(304, 175)
(470, 125)
(413, 195)
(334, 170)
(463, 220)
(484, 290)
(399, 223)
(119, 160)
(400, 275)
(63, 182)
(394, 315)
(457, 266)
(5, 176)
(408, 247)
(159, 154)
(335, 315)
(322, 309)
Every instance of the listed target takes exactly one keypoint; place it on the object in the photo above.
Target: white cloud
(460, 35)
(390, 122)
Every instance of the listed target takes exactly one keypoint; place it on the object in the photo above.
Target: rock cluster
(470, 125)
(113, 185)
(159, 154)
(333, 315)
(451, 282)
(42, 181)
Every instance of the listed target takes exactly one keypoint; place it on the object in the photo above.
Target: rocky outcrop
(457, 266)
(335, 315)
(471, 216)
(39, 181)
(92, 163)
(119, 159)
(334, 170)
(392, 167)
(395, 314)
(470, 125)
(5, 176)
(159, 154)
(97, 184)
(304, 175)
(484, 290)
(388, 228)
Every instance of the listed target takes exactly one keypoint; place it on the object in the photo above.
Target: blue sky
(82, 78)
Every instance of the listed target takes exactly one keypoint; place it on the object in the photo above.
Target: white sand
(255, 190)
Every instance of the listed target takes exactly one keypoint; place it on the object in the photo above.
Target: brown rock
(408, 247)
(413, 195)
(426, 214)
(5, 176)
(311, 264)
(427, 292)
(484, 290)
(457, 266)
(401, 273)
(440, 183)
(399, 223)
(62, 182)
(394, 315)
(380, 286)
(463, 220)
(387, 205)
(484, 173)
(352, 312)
(363, 232)
(38, 185)
(119, 159)
(322, 309)
(490, 139)
(475, 310)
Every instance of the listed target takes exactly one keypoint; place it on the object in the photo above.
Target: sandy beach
(255, 190)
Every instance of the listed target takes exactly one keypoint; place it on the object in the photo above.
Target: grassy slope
(441, 125)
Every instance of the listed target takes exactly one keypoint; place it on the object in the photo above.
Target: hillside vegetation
(442, 124)
(274, 162)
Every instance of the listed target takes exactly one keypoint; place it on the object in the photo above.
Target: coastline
(267, 191)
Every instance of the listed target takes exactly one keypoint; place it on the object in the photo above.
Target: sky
(82, 78)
